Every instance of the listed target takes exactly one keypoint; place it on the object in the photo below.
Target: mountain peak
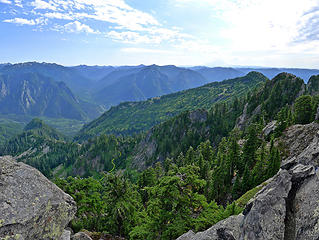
(39, 127)
(35, 123)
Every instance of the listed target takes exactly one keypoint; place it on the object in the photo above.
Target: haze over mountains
(82, 93)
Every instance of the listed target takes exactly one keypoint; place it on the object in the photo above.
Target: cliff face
(31, 207)
(287, 208)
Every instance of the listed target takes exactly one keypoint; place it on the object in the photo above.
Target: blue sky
(279, 33)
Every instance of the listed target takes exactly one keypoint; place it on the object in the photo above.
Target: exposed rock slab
(228, 229)
(302, 144)
(306, 210)
(270, 127)
(31, 206)
(265, 214)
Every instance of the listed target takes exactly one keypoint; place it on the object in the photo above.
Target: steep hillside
(115, 75)
(40, 146)
(8, 129)
(144, 115)
(313, 85)
(38, 127)
(146, 82)
(37, 95)
(265, 102)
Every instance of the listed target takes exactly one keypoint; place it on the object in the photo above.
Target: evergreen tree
(303, 109)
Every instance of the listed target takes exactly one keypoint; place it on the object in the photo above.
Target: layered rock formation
(31, 207)
(287, 208)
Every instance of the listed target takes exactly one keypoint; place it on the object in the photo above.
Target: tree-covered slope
(134, 117)
(40, 146)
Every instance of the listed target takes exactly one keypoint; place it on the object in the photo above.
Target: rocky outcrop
(287, 208)
(270, 128)
(241, 121)
(301, 144)
(31, 207)
(199, 115)
(227, 229)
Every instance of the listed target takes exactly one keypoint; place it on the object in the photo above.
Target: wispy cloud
(39, 4)
(5, 1)
(122, 23)
(21, 21)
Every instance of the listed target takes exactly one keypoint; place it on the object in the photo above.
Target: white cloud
(58, 15)
(129, 25)
(5, 1)
(21, 21)
(39, 4)
(77, 27)
(116, 12)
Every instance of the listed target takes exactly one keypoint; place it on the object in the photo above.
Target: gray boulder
(265, 214)
(31, 206)
(305, 210)
(228, 229)
(66, 235)
(187, 236)
(81, 236)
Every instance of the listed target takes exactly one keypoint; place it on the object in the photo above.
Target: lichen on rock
(31, 206)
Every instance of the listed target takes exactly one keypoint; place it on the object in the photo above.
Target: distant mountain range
(217, 74)
(110, 85)
(84, 92)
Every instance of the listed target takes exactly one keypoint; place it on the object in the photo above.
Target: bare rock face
(270, 127)
(306, 210)
(31, 207)
(199, 115)
(241, 121)
(227, 229)
(301, 142)
(287, 208)
(265, 214)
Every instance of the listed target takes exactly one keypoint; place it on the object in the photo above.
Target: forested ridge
(188, 172)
